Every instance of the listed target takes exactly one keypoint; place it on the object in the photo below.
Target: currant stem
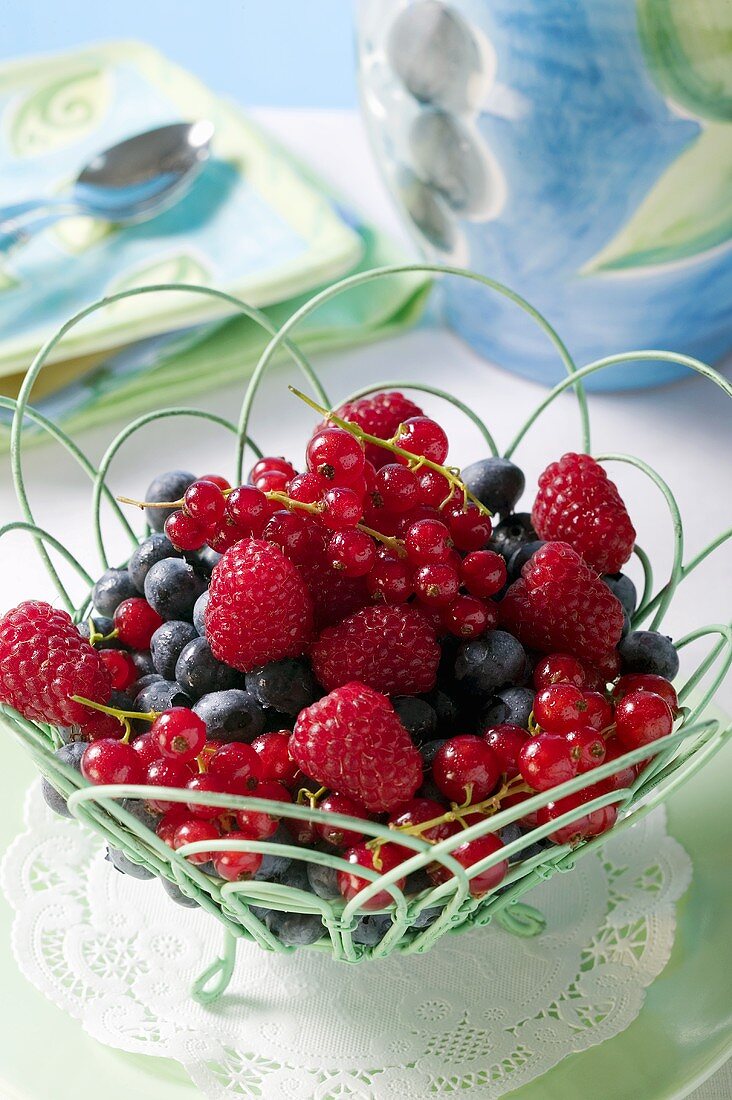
(415, 462)
(150, 716)
(315, 510)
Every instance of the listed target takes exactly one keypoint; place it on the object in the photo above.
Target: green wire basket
(670, 761)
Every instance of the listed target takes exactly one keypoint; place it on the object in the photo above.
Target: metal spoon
(131, 182)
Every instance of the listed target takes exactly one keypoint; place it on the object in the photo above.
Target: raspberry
(559, 605)
(335, 595)
(259, 609)
(379, 415)
(353, 742)
(392, 649)
(43, 661)
(577, 503)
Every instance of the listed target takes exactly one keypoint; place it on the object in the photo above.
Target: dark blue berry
(161, 695)
(288, 685)
(199, 613)
(167, 643)
(231, 715)
(114, 586)
(143, 662)
(139, 810)
(120, 700)
(418, 717)
(487, 663)
(648, 651)
(69, 754)
(125, 865)
(426, 917)
(275, 868)
(199, 673)
(496, 482)
(510, 704)
(429, 751)
(204, 561)
(323, 881)
(295, 929)
(519, 557)
(623, 589)
(144, 681)
(175, 893)
(102, 625)
(512, 532)
(157, 547)
(371, 929)
(507, 835)
(172, 588)
(168, 486)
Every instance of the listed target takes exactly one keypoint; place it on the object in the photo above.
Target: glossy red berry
(208, 784)
(146, 748)
(291, 531)
(588, 825)
(483, 573)
(193, 831)
(437, 585)
(419, 811)
(642, 717)
(217, 479)
(352, 552)
(271, 464)
(307, 488)
(274, 757)
(434, 488)
(626, 775)
(470, 853)
(390, 580)
(558, 668)
(111, 761)
(185, 532)
(179, 732)
(248, 508)
(507, 740)
(237, 866)
(336, 456)
(338, 835)
(427, 542)
(466, 768)
(239, 765)
(205, 503)
(559, 708)
(599, 713)
(136, 622)
(587, 746)
(636, 681)
(469, 617)
(121, 668)
(470, 529)
(169, 822)
(396, 489)
(342, 508)
(422, 436)
(382, 861)
(165, 773)
(546, 761)
(259, 824)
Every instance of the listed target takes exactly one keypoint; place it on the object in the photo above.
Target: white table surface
(682, 430)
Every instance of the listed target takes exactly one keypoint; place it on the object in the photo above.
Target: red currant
(248, 509)
(424, 437)
(428, 542)
(418, 811)
(271, 464)
(169, 822)
(559, 708)
(237, 866)
(184, 532)
(469, 617)
(588, 747)
(396, 489)
(121, 668)
(546, 761)
(259, 824)
(434, 488)
(599, 713)
(390, 580)
(483, 573)
(636, 681)
(205, 503)
(466, 769)
(507, 741)
(342, 508)
(180, 733)
(467, 855)
(558, 668)
(111, 761)
(642, 717)
(136, 622)
(436, 584)
(591, 824)
(470, 529)
(239, 765)
(226, 535)
(165, 773)
(352, 552)
(217, 479)
(192, 831)
(275, 762)
(604, 672)
(386, 859)
(336, 456)
(292, 533)
(337, 835)
(623, 778)
(146, 748)
(208, 784)
(306, 488)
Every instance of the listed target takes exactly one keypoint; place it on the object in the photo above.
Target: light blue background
(262, 52)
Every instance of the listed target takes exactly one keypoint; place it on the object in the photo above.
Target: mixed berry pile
(378, 635)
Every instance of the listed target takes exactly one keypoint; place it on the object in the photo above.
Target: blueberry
(71, 735)
(172, 588)
(275, 868)
(166, 645)
(426, 917)
(168, 486)
(507, 835)
(512, 532)
(626, 625)
(520, 556)
(288, 685)
(496, 482)
(127, 866)
(230, 715)
(623, 589)
(176, 894)
(143, 662)
(204, 561)
(102, 625)
(199, 673)
(114, 586)
(371, 929)
(648, 651)
(487, 663)
(429, 750)
(323, 881)
(69, 754)
(120, 700)
(139, 810)
(145, 681)
(429, 789)
(417, 717)
(295, 929)
(199, 612)
(417, 882)
(535, 849)
(445, 708)
(161, 695)
(157, 547)
(511, 704)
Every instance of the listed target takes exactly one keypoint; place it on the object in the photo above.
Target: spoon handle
(16, 232)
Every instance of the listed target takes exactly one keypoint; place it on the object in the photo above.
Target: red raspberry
(577, 503)
(560, 605)
(379, 415)
(259, 609)
(335, 595)
(392, 649)
(44, 660)
(352, 741)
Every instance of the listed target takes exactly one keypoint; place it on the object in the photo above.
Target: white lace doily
(479, 1015)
